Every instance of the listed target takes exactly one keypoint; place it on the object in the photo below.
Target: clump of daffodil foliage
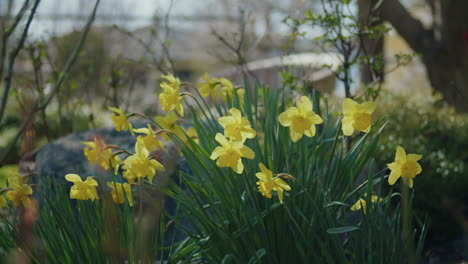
(275, 177)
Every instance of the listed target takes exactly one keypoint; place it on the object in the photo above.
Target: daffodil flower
(98, 153)
(139, 165)
(356, 116)
(149, 141)
(169, 122)
(404, 166)
(170, 97)
(208, 87)
(300, 119)
(267, 183)
(361, 203)
(82, 190)
(236, 127)
(173, 81)
(20, 194)
(120, 120)
(119, 191)
(229, 154)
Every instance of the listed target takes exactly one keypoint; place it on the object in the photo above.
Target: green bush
(433, 129)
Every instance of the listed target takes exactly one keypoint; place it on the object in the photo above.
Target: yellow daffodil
(169, 122)
(120, 120)
(98, 153)
(20, 194)
(236, 127)
(149, 141)
(300, 119)
(229, 154)
(173, 81)
(208, 87)
(170, 97)
(356, 116)
(227, 90)
(118, 194)
(82, 190)
(361, 203)
(139, 165)
(404, 166)
(267, 183)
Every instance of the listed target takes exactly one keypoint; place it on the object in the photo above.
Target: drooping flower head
(236, 127)
(170, 97)
(229, 154)
(20, 194)
(267, 183)
(140, 165)
(209, 86)
(120, 120)
(120, 191)
(404, 166)
(356, 116)
(361, 203)
(98, 153)
(228, 90)
(149, 141)
(169, 122)
(173, 81)
(301, 119)
(82, 190)
(116, 162)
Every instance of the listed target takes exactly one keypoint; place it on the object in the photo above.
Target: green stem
(408, 241)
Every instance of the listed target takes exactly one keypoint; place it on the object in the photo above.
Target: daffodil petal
(235, 113)
(221, 139)
(295, 136)
(347, 126)
(368, 107)
(348, 105)
(280, 195)
(284, 119)
(73, 178)
(247, 152)
(304, 104)
(225, 120)
(216, 153)
(400, 155)
(394, 175)
(414, 157)
(283, 185)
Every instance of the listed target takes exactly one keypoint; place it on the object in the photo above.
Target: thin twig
(38, 106)
(12, 59)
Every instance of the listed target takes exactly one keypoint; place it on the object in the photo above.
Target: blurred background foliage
(430, 127)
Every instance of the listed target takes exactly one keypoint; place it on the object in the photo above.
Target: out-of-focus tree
(443, 46)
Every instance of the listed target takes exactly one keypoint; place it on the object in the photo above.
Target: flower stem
(407, 237)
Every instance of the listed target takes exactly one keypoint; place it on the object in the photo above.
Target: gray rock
(65, 155)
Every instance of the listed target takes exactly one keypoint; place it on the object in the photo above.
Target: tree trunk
(371, 47)
(446, 59)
